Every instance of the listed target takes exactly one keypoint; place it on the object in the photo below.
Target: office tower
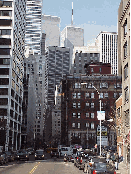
(58, 65)
(34, 98)
(51, 27)
(33, 25)
(124, 70)
(107, 43)
(70, 37)
(12, 46)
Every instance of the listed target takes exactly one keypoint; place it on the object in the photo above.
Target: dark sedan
(22, 154)
(10, 155)
(100, 168)
(39, 154)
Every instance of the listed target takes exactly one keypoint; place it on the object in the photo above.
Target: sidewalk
(123, 169)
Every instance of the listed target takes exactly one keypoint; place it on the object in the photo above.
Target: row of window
(88, 125)
(90, 85)
(91, 95)
(87, 114)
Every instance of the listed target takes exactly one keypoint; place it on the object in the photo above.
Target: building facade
(33, 25)
(72, 36)
(119, 126)
(81, 59)
(107, 44)
(58, 65)
(51, 27)
(124, 70)
(56, 122)
(12, 41)
(34, 83)
(80, 103)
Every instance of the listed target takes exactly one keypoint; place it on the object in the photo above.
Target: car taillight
(81, 160)
(94, 171)
(114, 172)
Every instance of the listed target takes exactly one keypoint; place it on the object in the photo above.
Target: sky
(92, 16)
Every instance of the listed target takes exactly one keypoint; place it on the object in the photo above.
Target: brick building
(80, 103)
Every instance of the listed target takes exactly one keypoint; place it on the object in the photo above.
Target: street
(47, 166)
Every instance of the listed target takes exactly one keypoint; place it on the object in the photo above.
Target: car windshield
(102, 166)
(39, 152)
(9, 153)
(22, 151)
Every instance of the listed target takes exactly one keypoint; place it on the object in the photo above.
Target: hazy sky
(93, 16)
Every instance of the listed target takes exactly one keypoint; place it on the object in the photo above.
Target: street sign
(101, 115)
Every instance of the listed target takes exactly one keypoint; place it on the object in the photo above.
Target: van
(66, 150)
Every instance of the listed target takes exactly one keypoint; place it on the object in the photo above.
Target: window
(87, 104)
(78, 115)
(104, 85)
(92, 105)
(73, 95)
(92, 115)
(79, 105)
(74, 114)
(118, 112)
(73, 124)
(87, 114)
(92, 95)
(78, 95)
(106, 95)
(87, 95)
(74, 105)
(115, 95)
(127, 117)
(100, 69)
(126, 90)
(87, 124)
(92, 125)
(125, 28)
(125, 50)
(101, 95)
(126, 71)
(78, 125)
(92, 70)
(90, 85)
(77, 85)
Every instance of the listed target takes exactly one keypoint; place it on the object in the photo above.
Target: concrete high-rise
(33, 25)
(107, 43)
(70, 37)
(51, 27)
(12, 46)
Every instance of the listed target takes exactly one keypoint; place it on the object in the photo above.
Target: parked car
(1, 158)
(99, 167)
(39, 154)
(22, 154)
(10, 155)
(54, 153)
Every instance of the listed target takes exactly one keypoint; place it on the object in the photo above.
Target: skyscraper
(12, 46)
(51, 27)
(72, 36)
(33, 25)
(107, 43)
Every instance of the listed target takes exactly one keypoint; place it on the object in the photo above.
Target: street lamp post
(100, 119)
(100, 111)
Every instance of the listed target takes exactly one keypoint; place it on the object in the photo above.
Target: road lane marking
(34, 168)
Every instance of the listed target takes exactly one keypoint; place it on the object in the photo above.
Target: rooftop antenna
(72, 15)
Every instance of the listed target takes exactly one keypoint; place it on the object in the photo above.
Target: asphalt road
(47, 166)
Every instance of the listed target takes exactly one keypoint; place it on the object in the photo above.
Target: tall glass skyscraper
(33, 25)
